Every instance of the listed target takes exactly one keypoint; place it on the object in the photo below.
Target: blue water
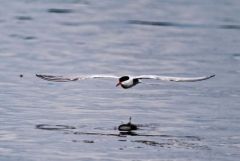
(43, 120)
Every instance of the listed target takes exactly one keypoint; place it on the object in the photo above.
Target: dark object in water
(21, 75)
(127, 127)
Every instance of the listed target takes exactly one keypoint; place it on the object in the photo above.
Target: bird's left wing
(69, 79)
(175, 79)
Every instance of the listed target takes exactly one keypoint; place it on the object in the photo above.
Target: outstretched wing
(175, 79)
(69, 79)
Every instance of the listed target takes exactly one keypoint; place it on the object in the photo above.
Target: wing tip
(39, 75)
(213, 75)
(43, 76)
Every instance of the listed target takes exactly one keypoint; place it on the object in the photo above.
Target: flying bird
(123, 81)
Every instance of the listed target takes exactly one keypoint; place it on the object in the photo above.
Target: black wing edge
(207, 77)
(213, 75)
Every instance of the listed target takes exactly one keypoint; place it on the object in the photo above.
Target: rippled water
(43, 120)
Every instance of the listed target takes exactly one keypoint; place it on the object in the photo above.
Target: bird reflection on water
(166, 141)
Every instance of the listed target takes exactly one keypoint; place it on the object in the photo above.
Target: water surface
(43, 120)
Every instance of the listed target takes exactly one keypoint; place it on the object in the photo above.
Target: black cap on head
(123, 78)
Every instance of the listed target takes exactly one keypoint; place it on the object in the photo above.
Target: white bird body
(128, 83)
(124, 81)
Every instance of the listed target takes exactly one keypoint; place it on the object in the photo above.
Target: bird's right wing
(175, 79)
(69, 79)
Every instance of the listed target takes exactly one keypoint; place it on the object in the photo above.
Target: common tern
(123, 81)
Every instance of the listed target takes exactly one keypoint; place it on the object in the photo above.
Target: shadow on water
(54, 127)
(236, 56)
(166, 141)
(23, 37)
(181, 25)
(164, 24)
(24, 18)
(60, 10)
(236, 27)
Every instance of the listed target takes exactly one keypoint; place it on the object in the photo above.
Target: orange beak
(119, 83)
